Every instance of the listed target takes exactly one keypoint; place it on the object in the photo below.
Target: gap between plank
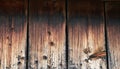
(66, 33)
(106, 37)
(27, 35)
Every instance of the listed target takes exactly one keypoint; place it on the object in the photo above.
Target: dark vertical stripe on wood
(47, 34)
(86, 35)
(13, 34)
(106, 37)
(113, 33)
(67, 35)
(27, 35)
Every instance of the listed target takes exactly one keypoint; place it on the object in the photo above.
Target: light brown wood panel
(113, 33)
(12, 34)
(86, 35)
(47, 34)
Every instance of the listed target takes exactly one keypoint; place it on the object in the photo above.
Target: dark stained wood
(86, 35)
(12, 34)
(111, 0)
(113, 33)
(97, 0)
(47, 34)
(13, 7)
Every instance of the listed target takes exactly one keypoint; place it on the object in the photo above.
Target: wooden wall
(59, 34)
(13, 25)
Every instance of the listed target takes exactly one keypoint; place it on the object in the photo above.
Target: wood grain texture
(12, 34)
(99, 0)
(113, 33)
(111, 0)
(86, 35)
(47, 34)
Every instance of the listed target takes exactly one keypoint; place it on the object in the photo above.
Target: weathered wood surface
(111, 0)
(113, 33)
(47, 34)
(41, 42)
(86, 35)
(12, 34)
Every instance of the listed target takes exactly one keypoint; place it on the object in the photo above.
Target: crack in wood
(66, 32)
(27, 35)
(106, 37)
(98, 55)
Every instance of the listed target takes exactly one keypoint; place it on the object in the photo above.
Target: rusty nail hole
(60, 64)
(48, 66)
(52, 43)
(19, 63)
(81, 64)
(87, 50)
(36, 61)
(10, 44)
(7, 37)
(101, 67)
(49, 33)
(86, 60)
(45, 57)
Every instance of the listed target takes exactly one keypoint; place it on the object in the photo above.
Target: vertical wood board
(113, 33)
(47, 34)
(12, 34)
(86, 35)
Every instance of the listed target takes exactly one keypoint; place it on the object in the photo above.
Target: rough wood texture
(113, 33)
(12, 34)
(47, 34)
(86, 35)
(111, 0)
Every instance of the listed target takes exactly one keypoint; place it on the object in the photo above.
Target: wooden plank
(111, 0)
(86, 35)
(47, 34)
(12, 34)
(113, 33)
